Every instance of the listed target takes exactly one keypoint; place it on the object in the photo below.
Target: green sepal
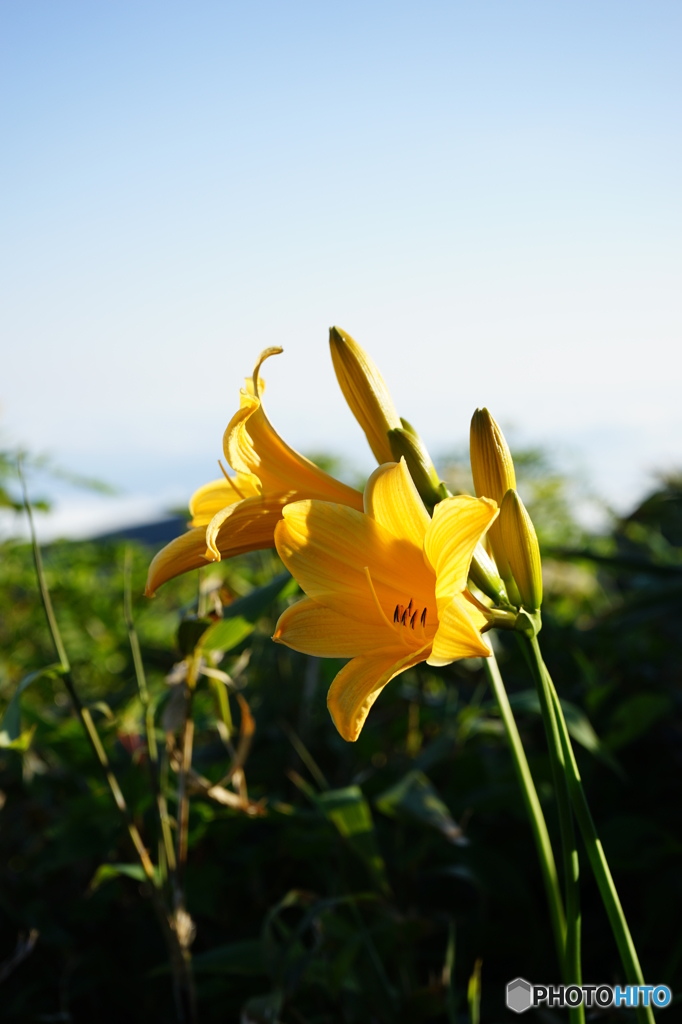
(528, 623)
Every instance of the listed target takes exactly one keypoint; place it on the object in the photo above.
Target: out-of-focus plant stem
(573, 969)
(533, 808)
(83, 712)
(597, 857)
(148, 717)
(187, 734)
(185, 1001)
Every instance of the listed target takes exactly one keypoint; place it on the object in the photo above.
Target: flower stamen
(230, 480)
(376, 599)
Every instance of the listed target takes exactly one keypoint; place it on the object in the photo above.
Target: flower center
(408, 614)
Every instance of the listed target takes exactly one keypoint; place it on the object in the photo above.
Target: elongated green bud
(365, 391)
(484, 575)
(492, 468)
(522, 549)
(406, 443)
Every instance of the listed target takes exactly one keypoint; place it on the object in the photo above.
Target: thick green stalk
(533, 808)
(569, 847)
(598, 862)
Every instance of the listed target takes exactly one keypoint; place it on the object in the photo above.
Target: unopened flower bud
(484, 575)
(522, 549)
(492, 468)
(365, 391)
(406, 443)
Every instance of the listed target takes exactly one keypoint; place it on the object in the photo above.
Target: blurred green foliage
(394, 879)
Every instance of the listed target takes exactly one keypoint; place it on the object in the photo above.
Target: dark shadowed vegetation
(390, 880)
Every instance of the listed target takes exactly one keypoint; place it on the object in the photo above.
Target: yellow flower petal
(392, 499)
(457, 635)
(358, 685)
(216, 495)
(254, 448)
(247, 526)
(182, 554)
(240, 513)
(327, 548)
(311, 628)
(451, 537)
(478, 613)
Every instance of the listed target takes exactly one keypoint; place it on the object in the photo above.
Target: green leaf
(263, 1009)
(190, 632)
(11, 736)
(635, 716)
(416, 797)
(235, 958)
(103, 708)
(240, 618)
(474, 994)
(21, 743)
(105, 872)
(350, 813)
(579, 725)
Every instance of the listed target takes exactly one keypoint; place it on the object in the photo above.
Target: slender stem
(148, 717)
(183, 793)
(185, 765)
(598, 862)
(533, 808)
(182, 920)
(83, 712)
(573, 974)
(183, 982)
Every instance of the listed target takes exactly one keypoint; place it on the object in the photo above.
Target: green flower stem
(598, 862)
(532, 803)
(569, 848)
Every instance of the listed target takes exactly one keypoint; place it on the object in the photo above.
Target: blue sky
(487, 196)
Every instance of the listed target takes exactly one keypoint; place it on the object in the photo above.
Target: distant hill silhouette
(153, 534)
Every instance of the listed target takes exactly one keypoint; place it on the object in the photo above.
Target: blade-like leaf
(416, 797)
(635, 716)
(350, 813)
(236, 958)
(263, 1009)
(579, 725)
(240, 618)
(10, 725)
(105, 872)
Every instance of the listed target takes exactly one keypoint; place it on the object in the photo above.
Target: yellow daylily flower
(239, 514)
(385, 587)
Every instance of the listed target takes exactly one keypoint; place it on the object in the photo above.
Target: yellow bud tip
(365, 391)
(492, 468)
(491, 462)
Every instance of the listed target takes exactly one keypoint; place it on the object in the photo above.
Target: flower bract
(385, 587)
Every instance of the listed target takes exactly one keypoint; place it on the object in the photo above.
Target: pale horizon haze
(486, 196)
